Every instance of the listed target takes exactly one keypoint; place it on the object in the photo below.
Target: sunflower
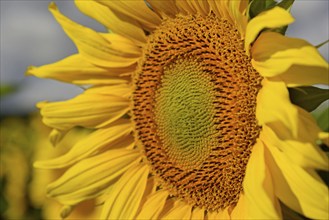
(191, 113)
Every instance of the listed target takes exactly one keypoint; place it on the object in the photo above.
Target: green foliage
(258, 6)
(3, 202)
(322, 117)
(308, 97)
(6, 89)
(286, 4)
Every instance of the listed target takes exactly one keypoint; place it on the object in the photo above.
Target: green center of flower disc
(194, 109)
(184, 113)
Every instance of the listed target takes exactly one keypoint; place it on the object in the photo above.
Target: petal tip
(41, 104)
(52, 6)
(39, 165)
(29, 71)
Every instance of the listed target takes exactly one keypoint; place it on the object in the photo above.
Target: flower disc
(194, 109)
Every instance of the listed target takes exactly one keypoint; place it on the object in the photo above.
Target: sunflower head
(194, 108)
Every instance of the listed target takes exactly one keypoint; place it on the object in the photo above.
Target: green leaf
(6, 89)
(258, 6)
(3, 201)
(308, 97)
(281, 30)
(322, 118)
(286, 4)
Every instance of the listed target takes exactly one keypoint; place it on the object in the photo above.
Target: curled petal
(94, 46)
(273, 18)
(78, 70)
(94, 142)
(132, 29)
(86, 110)
(291, 60)
(137, 10)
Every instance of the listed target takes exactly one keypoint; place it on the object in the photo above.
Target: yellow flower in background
(14, 172)
(191, 110)
(23, 140)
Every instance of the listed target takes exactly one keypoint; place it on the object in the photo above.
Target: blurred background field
(24, 140)
(30, 36)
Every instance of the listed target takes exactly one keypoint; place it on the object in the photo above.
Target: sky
(29, 35)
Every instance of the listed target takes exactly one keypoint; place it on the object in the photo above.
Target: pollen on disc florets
(194, 109)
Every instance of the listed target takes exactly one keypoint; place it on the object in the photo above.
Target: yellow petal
(153, 205)
(164, 8)
(197, 214)
(221, 9)
(86, 110)
(261, 202)
(240, 210)
(324, 137)
(56, 136)
(202, 7)
(125, 197)
(75, 69)
(92, 176)
(214, 8)
(308, 128)
(107, 81)
(292, 60)
(185, 7)
(297, 188)
(168, 206)
(271, 48)
(150, 188)
(98, 140)
(273, 18)
(122, 90)
(66, 211)
(303, 154)
(307, 132)
(113, 22)
(92, 45)
(181, 210)
(122, 45)
(222, 214)
(243, 6)
(137, 10)
(240, 20)
(273, 105)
